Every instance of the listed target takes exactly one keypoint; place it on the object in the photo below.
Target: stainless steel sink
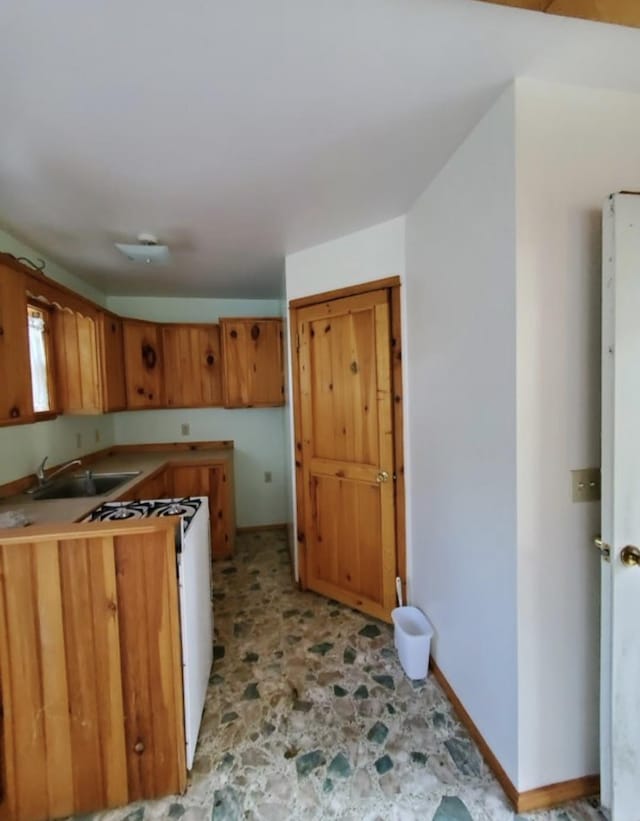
(83, 485)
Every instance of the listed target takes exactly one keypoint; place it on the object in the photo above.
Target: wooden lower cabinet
(215, 481)
(90, 668)
(157, 486)
(212, 479)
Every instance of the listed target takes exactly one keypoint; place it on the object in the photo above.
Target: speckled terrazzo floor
(309, 716)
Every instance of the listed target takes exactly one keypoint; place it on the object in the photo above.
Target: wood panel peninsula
(90, 638)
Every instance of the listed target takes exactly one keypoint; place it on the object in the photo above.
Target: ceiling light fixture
(146, 250)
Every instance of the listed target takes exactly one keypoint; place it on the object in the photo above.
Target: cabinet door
(16, 404)
(215, 482)
(111, 338)
(193, 373)
(252, 362)
(143, 364)
(155, 487)
(78, 380)
(190, 481)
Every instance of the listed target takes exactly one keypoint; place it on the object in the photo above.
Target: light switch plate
(586, 485)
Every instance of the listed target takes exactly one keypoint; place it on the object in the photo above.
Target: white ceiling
(239, 131)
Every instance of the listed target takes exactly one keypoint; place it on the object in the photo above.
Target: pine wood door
(347, 450)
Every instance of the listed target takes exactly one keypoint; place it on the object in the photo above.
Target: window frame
(47, 312)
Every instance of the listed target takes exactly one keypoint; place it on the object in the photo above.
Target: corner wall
(461, 326)
(575, 146)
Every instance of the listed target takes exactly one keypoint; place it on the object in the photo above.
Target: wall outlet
(185, 429)
(267, 476)
(586, 485)
(97, 435)
(78, 440)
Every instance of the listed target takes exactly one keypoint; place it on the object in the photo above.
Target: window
(40, 353)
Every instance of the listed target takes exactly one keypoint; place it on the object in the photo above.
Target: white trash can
(412, 634)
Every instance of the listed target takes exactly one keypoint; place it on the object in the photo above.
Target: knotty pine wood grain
(344, 369)
(16, 405)
(193, 366)
(252, 362)
(77, 372)
(90, 666)
(398, 436)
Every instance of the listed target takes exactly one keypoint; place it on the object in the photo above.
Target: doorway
(347, 400)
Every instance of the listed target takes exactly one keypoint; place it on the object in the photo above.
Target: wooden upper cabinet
(111, 344)
(193, 370)
(16, 404)
(143, 364)
(78, 378)
(252, 362)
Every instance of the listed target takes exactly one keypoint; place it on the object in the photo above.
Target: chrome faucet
(43, 479)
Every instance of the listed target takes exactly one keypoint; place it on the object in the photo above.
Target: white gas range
(193, 552)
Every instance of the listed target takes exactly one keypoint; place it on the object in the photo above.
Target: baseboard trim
(554, 794)
(255, 528)
(476, 735)
(540, 798)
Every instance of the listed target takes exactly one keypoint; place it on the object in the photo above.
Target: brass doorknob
(630, 556)
(383, 476)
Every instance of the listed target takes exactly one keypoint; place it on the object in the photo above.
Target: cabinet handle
(113, 327)
(210, 359)
(140, 391)
(14, 413)
(255, 332)
(1, 331)
(138, 747)
(233, 334)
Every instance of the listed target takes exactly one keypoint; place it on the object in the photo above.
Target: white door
(620, 644)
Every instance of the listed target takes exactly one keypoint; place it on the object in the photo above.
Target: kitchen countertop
(47, 511)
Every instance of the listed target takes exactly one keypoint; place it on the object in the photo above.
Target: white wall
(22, 447)
(366, 255)
(460, 284)
(374, 253)
(258, 433)
(575, 147)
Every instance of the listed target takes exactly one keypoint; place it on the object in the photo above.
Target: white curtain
(38, 353)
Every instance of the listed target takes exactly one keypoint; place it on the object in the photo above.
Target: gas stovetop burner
(121, 513)
(186, 508)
